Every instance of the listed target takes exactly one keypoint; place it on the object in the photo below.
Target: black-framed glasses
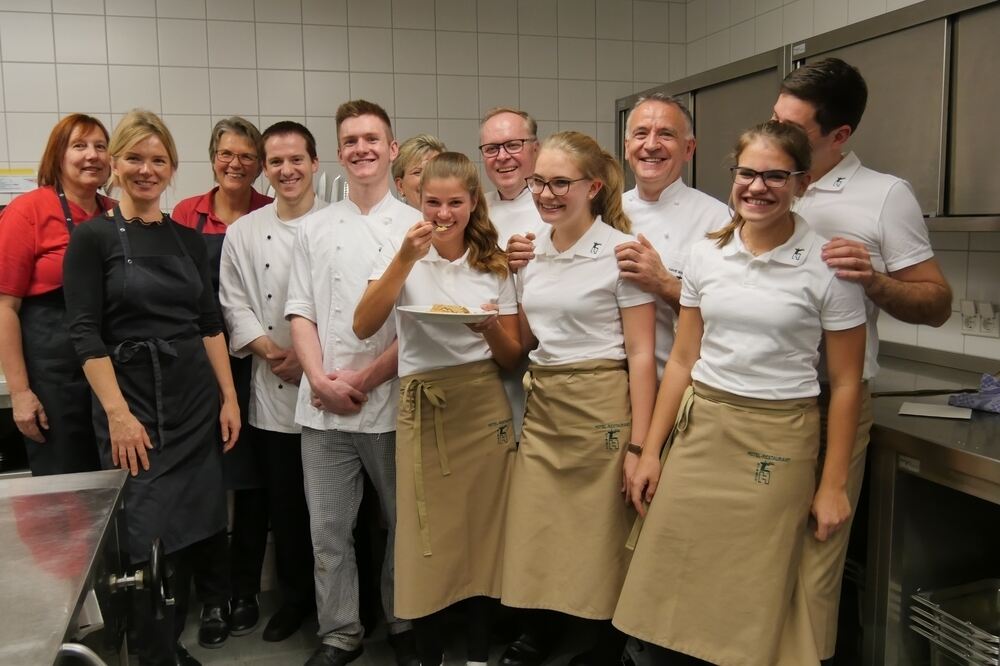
(513, 147)
(227, 156)
(558, 186)
(772, 177)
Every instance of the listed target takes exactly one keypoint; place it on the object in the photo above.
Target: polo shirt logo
(798, 253)
(839, 181)
(595, 248)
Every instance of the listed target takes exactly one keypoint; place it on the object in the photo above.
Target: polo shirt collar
(792, 252)
(837, 178)
(433, 257)
(594, 243)
(204, 203)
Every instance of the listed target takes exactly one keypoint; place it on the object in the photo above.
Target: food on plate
(450, 309)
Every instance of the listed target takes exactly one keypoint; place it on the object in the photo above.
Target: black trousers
(289, 516)
(231, 568)
(157, 637)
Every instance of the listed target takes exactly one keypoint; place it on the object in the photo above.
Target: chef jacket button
(269, 295)
(336, 309)
(336, 277)
(121, 229)
(280, 386)
(269, 237)
(130, 261)
(270, 328)
(267, 265)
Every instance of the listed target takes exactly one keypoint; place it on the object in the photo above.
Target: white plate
(423, 313)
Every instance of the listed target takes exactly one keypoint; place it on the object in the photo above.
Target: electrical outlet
(970, 318)
(987, 320)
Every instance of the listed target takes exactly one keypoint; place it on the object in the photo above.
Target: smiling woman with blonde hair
(146, 328)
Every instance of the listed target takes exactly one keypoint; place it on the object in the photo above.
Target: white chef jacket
(673, 223)
(514, 216)
(335, 252)
(253, 286)
(878, 209)
(764, 316)
(425, 345)
(573, 299)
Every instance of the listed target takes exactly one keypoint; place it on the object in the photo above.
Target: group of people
(657, 424)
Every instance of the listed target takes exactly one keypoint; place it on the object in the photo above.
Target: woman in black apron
(228, 580)
(145, 325)
(49, 394)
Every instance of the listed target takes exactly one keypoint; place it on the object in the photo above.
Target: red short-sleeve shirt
(33, 240)
(188, 211)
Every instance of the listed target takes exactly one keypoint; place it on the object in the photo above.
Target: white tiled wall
(435, 65)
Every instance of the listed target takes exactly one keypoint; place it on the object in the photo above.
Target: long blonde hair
(790, 139)
(597, 164)
(481, 236)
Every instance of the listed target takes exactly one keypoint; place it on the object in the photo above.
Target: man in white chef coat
(876, 236)
(253, 285)
(667, 216)
(347, 404)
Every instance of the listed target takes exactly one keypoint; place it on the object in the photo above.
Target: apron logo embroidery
(503, 431)
(798, 253)
(612, 440)
(595, 249)
(763, 469)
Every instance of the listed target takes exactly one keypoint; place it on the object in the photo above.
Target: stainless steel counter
(925, 526)
(51, 530)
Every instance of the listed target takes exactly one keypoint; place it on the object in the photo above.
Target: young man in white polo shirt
(347, 406)
(876, 237)
(253, 285)
(667, 216)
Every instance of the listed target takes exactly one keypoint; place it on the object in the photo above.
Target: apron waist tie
(415, 392)
(125, 351)
(680, 425)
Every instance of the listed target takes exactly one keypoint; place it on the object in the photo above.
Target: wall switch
(970, 318)
(987, 319)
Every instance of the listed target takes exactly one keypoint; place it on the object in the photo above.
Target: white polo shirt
(427, 346)
(253, 287)
(877, 209)
(677, 220)
(765, 316)
(335, 252)
(514, 216)
(573, 299)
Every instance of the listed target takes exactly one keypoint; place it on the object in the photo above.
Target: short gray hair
(236, 125)
(669, 100)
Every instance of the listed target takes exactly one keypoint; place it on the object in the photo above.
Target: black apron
(56, 377)
(170, 388)
(243, 466)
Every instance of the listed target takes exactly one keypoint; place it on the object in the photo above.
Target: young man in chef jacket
(876, 236)
(347, 401)
(253, 285)
(667, 216)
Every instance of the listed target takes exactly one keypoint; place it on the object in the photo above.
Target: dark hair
(598, 164)
(670, 100)
(50, 166)
(290, 127)
(837, 91)
(361, 107)
(481, 236)
(790, 139)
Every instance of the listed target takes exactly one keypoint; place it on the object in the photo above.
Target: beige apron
(454, 452)
(715, 565)
(567, 521)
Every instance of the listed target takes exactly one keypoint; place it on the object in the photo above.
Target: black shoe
(404, 646)
(284, 623)
(327, 655)
(183, 658)
(214, 629)
(244, 616)
(527, 650)
(599, 657)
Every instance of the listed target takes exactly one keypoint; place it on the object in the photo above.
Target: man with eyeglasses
(878, 238)
(253, 286)
(667, 216)
(508, 141)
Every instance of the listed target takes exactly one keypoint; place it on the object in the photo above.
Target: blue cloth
(987, 399)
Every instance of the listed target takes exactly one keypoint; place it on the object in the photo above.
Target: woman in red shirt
(49, 394)
(229, 581)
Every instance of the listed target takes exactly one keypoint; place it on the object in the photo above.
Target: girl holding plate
(454, 438)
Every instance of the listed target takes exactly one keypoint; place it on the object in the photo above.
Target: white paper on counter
(935, 411)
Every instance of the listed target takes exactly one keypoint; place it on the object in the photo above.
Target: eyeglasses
(558, 186)
(513, 147)
(246, 159)
(771, 178)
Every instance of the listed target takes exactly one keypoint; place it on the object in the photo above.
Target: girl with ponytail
(591, 387)
(454, 436)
